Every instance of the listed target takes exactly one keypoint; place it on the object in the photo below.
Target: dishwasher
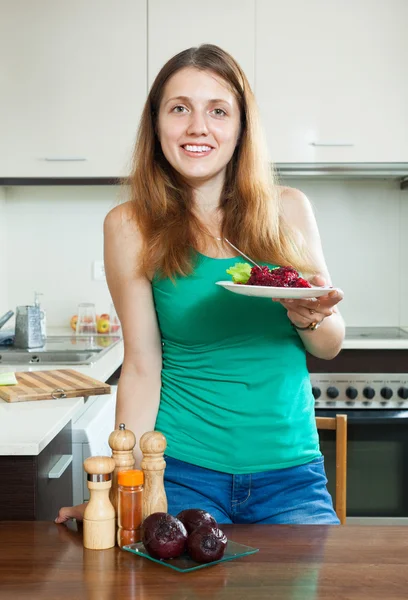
(90, 434)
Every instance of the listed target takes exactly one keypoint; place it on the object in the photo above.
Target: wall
(362, 225)
(55, 234)
(403, 254)
(3, 253)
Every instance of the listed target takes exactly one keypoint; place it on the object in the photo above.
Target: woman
(222, 376)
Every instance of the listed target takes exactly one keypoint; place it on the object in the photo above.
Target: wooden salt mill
(122, 441)
(153, 445)
(99, 515)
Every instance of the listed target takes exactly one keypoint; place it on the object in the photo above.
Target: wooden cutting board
(48, 385)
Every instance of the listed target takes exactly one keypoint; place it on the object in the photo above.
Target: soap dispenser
(42, 315)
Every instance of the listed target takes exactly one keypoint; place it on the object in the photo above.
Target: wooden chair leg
(341, 467)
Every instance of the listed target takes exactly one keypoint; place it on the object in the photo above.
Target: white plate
(263, 291)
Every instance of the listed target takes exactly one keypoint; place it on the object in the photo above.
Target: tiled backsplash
(50, 236)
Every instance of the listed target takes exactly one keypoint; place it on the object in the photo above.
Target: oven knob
(316, 392)
(403, 393)
(386, 393)
(332, 392)
(351, 393)
(368, 392)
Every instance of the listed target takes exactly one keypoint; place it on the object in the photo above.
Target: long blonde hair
(250, 203)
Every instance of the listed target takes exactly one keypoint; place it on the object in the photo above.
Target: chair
(339, 425)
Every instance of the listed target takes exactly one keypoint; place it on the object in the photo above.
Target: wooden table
(48, 561)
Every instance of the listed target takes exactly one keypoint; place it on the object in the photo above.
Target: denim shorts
(295, 495)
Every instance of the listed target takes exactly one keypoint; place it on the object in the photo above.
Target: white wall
(403, 241)
(55, 233)
(3, 254)
(363, 226)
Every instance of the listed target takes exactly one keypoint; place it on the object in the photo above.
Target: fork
(239, 251)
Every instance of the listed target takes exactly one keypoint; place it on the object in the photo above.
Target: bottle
(42, 316)
(130, 506)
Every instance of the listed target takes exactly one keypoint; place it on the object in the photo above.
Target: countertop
(375, 344)
(376, 338)
(27, 427)
(305, 562)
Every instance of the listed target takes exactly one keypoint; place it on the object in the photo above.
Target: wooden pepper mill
(99, 515)
(153, 445)
(122, 441)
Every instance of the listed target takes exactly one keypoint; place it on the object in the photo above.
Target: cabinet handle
(60, 466)
(64, 159)
(332, 144)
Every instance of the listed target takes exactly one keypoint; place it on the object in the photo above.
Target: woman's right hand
(71, 512)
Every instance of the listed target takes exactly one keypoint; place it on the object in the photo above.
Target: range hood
(341, 171)
(396, 171)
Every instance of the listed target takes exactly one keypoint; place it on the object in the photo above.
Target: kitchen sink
(61, 350)
(64, 357)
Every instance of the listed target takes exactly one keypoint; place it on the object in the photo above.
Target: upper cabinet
(73, 83)
(330, 80)
(329, 77)
(177, 25)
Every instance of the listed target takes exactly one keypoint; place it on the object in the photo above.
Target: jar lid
(130, 478)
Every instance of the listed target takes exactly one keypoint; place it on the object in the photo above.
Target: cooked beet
(192, 518)
(206, 544)
(163, 535)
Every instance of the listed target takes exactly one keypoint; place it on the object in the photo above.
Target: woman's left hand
(305, 311)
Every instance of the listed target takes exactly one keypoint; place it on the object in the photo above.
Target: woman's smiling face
(199, 124)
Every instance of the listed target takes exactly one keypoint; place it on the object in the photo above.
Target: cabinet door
(73, 83)
(35, 487)
(175, 26)
(331, 79)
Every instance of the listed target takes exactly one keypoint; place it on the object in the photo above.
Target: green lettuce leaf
(240, 272)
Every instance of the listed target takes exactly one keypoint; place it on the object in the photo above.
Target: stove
(362, 390)
(368, 382)
(371, 371)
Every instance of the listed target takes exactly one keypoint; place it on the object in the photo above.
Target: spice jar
(130, 506)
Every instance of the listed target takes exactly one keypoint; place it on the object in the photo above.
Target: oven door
(377, 464)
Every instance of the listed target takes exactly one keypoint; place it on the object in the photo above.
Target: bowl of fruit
(105, 323)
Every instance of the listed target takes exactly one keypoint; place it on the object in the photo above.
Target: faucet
(5, 318)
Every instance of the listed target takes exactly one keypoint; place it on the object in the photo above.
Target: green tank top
(236, 394)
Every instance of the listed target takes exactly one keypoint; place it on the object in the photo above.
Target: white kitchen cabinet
(73, 83)
(330, 79)
(175, 26)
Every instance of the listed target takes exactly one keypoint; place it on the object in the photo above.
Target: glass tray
(184, 563)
